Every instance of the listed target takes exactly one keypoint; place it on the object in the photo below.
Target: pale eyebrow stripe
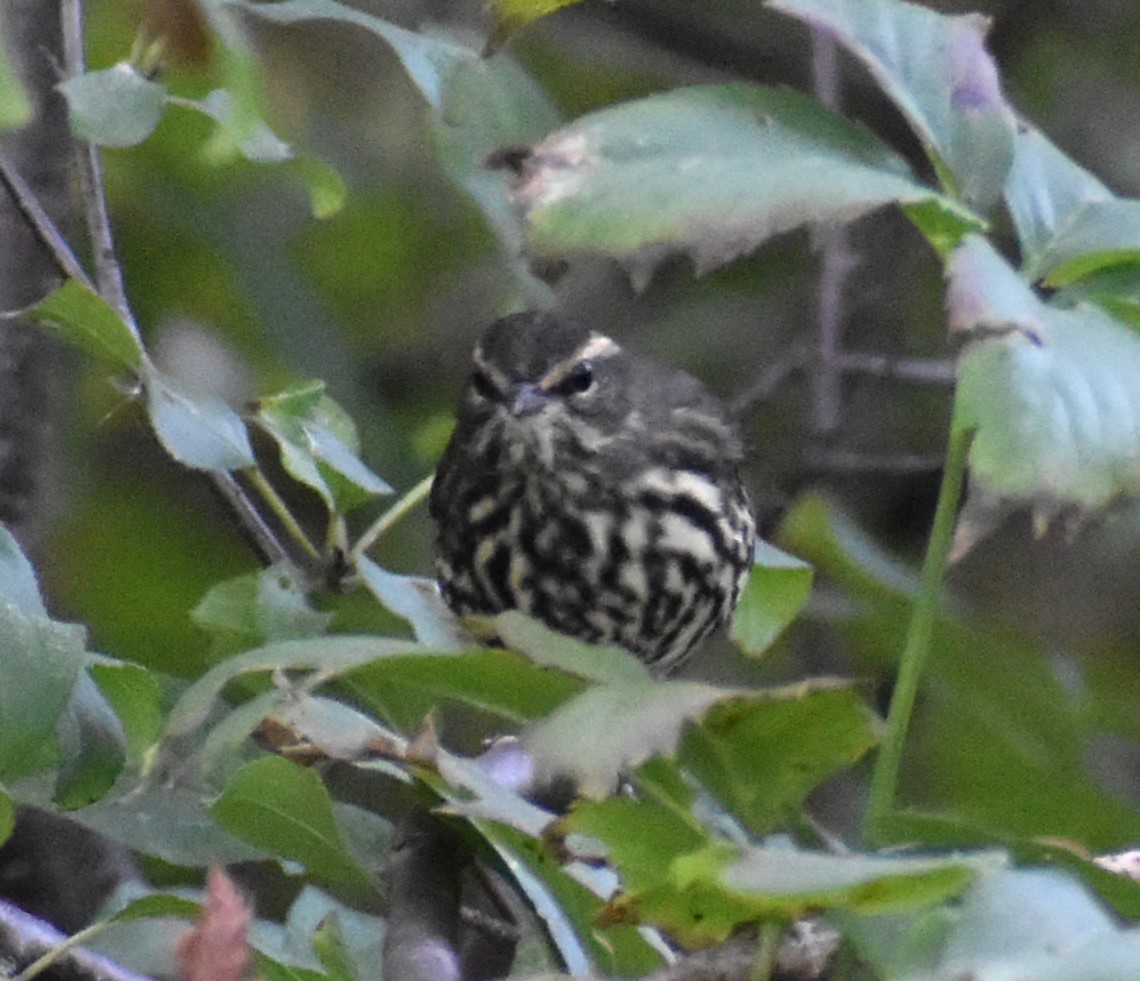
(596, 346)
(481, 364)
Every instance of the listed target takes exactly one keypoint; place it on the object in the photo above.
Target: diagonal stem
(884, 780)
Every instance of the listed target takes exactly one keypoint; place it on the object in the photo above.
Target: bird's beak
(528, 399)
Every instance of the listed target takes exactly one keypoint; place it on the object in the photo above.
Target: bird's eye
(580, 379)
(484, 386)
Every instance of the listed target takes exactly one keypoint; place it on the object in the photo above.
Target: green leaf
(327, 189)
(197, 429)
(15, 109)
(7, 816)
(1057, 932)
(552, 649)
(254, 140)
(607, 729)
(87, 320)
(328, 944)
(92, 745)
(778, 586)
(417, 600)
(284, 809)
(511, 16)
(404, 689)
(329, 655)
(428, 61)
(114, 107)
(711, 170)
(488, 104)
(136, 698)
(257, 608)
(1100, 235)
(1044, 191)
(18, 585)
(156, 906)
(937, 71)
(362, 936)
(319, 446)
(1051, 393)
(40, 660)
(763, 755)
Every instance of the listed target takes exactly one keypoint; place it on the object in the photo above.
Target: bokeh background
(238, 287)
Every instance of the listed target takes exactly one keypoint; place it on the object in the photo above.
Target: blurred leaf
(327, 190)
(936, 69)
(319, 446)
(361, 935)
(84, 318)
(403, 690)
(15, 109)
(157, 905)
(998, 738)
(710, 170)
(417, 600)
(1101, 234)
(260, 144)
(511, 16)
(92, 746)
(284, 809)
(1116, 289)
(763, 755)
(1044, 191)
(552, 649)
(1053, 397)
(778, 586)
(18, 585)
(257, 608)
(330, 655)
(328, 944)
(429, 61)
(114, 107)
(136, 698)
(943, 222)
(199, 429)
(7, 816)
(40, 660)
(490, 104)
(1017, 922)
(607, 729)
(569, 910)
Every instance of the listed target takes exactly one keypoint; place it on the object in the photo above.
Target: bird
(593, 489)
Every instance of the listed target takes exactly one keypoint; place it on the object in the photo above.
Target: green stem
(411, 500)
(884, 780)
(281, 509)
(61, 949)
(766, 950)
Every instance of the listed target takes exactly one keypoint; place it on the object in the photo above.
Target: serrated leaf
(428, 61)
(1052, 398)
(778, 586)
(936, 69)
(84, 318)
(284, 809)
(197, 429)
(92, 746)
(594, 737)
(114, 107)
(712, 171)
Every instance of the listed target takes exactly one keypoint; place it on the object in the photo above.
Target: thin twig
(772, 377)
(108, 272)
(836, 261)
(933, 371)
(42, 224)
(852, 461)
(281, 509)
(252, 523)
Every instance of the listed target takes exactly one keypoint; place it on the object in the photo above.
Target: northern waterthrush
(592, 489)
